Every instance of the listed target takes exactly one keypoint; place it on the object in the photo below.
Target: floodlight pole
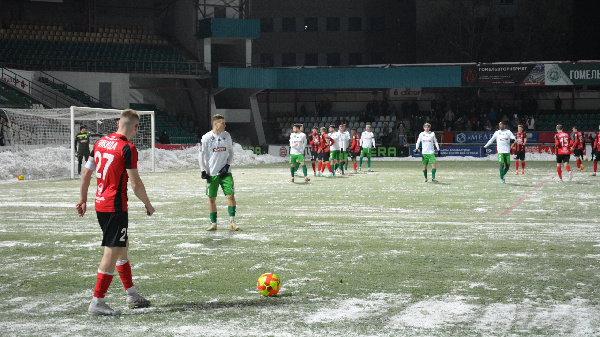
(72, 141)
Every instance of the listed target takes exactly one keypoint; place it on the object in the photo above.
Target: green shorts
(343, 155)
(213, 183)
(294, 157)
(335, 155)
(428, 159)
(504, 158)
(366, 152)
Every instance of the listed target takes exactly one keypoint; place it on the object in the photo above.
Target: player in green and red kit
(115, 163)
(578, 146)
(324, 152)
(297, 146)
(519, 149)
(313, 141)
(344, 140)
(367, 143)
(503, 139)
(596, 152)
(427, 139)
(564, 146)
(354, 147)
(334, 148)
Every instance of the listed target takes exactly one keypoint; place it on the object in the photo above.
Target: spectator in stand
(363, 116)
(384, 107)
(414, 108)
(449, 120)
(469, 125)
(404, 109)
(164, 138)
(530, 123)
(488, 126)
(385, 135)
(558, 104)
(492, 116)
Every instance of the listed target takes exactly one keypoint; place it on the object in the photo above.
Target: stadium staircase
(70, 91)
(179, 132)
(112, 49)
(10, 98)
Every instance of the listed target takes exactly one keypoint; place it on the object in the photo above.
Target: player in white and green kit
(367, 144)
(334, 149)
(427, 140)
(344, 137)
(503, 139)
(215, 157)
(297, 146)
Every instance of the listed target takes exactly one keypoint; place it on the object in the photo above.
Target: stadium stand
(10, 98)
(178, 132)
(111, 49)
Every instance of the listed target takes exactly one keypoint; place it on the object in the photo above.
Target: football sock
(103, 281)
(329, 167)
(213, 217)
(501, 173)
(432, 173)
(354, 166)
(425, 173)
(578, 162)
(522, 165)
(319, 167)
(346, 165)
(568, 168)
(595, 166)
(342, 168)
(559, 170)
(360, 161)
(292, 171)
(517, 165)
(369, 161)
(231, 210)
(304, 170)
(124, 269)
(297, 166)
(313, 165)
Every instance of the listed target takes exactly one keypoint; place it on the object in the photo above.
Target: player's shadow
(259, 302)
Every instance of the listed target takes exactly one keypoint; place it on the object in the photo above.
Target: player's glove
(439, 153)
(205, 175)
(417, 150)
(223, 171)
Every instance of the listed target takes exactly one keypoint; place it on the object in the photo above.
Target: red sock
(354, 166)
(568, 168)
(559, 170)
(313, 165)
(125, 274)
(595, 166)
(329, 167)
(517, 165)
(578, 162)
(102, 283)
(320, 164)
(522, 166)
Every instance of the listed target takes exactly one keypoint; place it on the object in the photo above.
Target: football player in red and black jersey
(324, 151)
(596, 151)
(354, 147)
(578, 146)
(519, 149)
(313, 141)
(115, 162)
(564, 146)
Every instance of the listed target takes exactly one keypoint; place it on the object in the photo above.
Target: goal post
(38, 128)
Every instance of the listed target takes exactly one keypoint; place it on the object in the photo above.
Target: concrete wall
(90, 84)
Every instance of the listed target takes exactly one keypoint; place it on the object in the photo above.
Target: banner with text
(503, 75)
(573, 74)
(455, 151)
(402, 93)
(482, 137)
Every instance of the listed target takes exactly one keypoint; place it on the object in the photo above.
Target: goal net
(36, 128)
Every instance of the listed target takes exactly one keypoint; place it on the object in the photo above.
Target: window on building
(266, 25)
(311, 24)
(355, 59)
(333, 59)
(355, 24)
(377, 24)
(377, 58)
(267, 60)
(506, 25)
(311, 60)
(288, 25)
(288, 60)
(333, 24)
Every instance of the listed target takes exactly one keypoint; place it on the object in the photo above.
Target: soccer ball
(268, 284)
(20, 177)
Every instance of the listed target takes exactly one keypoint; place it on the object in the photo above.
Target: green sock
(304, 170)
(360, 162)
(213, 217)
(292, 171)
(425, 173)
(230, 209)
(369, 161)
(346, 165)
(296, 167)
(342, 167)
(501, 173)
(432, 173)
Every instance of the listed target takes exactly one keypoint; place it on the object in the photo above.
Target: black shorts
(314, 156)
(520, 155)
(114, 228)
(563, 158)
(578, 153)
(354, 154)
(324, 156)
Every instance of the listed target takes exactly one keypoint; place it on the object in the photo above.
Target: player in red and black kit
(354, 147)
(313, 141)
(578, 146)
(596, 152)
(324, 145)
(564, 146)
(115, 162)
(519, 149)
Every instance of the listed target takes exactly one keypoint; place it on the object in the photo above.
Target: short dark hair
(82, 127)
(217, 117)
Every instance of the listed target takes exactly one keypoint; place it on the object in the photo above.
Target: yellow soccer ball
(268, 284)
(20, 177)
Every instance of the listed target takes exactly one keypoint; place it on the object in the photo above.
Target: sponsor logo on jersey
(220, 149)
(109, 145)
(100, 188)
